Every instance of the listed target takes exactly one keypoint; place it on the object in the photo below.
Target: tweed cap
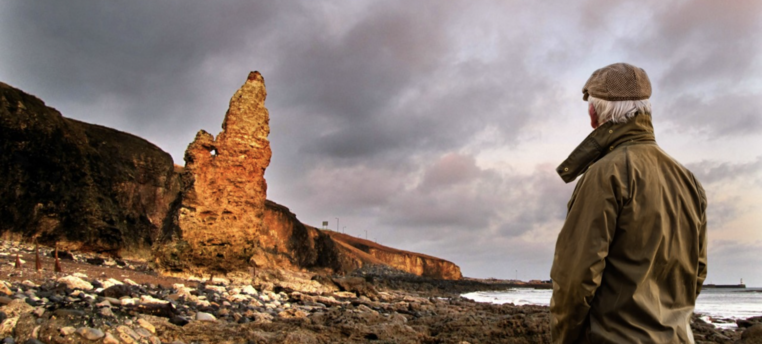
(619, 81)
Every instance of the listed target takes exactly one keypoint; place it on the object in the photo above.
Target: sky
(432, 126)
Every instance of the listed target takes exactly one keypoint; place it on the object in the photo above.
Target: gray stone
(90, 333)
(143, 332)
(106, 312)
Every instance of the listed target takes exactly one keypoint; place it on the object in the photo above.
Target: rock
(752, 335)
(4, 289)
(222, 205)
(117, 291)
(65, 331)
(106, 312)
(68, 313)
(150, 300)
(110, 282)
(178, 320)
(90, 333)
(292, 313)
(80, 185)
(202, 316)
(249, 290)
(73, 282)
(65, 255)
(110, 339)
(146, 325)
(143, 332)
(95, 261)
(126, 334)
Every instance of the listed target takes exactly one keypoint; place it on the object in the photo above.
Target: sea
(719, 306)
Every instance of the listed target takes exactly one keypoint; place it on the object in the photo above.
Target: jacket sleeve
(581, 250)
(702, 263)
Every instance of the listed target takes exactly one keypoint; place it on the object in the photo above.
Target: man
(631, 257)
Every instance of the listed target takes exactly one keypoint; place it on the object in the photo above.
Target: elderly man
(631, 257)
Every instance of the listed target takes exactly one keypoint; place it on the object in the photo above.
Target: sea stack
(215, 223)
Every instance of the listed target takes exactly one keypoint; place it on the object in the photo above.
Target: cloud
(710, 171)
(381, 111)
(707, 54)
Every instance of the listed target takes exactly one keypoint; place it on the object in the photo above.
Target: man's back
(650, 280)
(629, 261)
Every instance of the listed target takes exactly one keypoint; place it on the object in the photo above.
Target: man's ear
(593, 116)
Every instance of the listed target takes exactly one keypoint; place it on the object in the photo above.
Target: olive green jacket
(631, 257)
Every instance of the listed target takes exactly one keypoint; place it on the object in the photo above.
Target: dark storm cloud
(391, 84)
(134, 65)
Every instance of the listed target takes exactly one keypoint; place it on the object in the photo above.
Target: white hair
(618, 111)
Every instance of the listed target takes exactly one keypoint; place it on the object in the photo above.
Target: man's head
(616, 93)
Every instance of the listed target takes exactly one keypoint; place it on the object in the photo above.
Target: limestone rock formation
(217, 225)
(84, 186)
(92, 188)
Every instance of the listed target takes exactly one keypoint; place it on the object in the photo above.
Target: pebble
(65, 331)
(202, 316)
(74, 282)
(90, 333)
(143, 332)
(104, 303)
(146, 325)
(110, 339)
(126, 332)
(110, 282)
(106, 312)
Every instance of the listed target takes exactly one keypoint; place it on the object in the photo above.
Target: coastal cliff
(410, 262)
(90, 188)
(83, 186)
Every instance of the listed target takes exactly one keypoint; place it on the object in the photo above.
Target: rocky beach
(98, 299)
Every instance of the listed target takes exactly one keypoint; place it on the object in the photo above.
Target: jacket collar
(603, 140)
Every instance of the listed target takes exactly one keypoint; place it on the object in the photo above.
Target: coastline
(132, 304)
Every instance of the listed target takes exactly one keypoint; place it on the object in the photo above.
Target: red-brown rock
(217, 225)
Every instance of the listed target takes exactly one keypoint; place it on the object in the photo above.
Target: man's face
(593, 116)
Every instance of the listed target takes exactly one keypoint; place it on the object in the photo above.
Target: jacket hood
(604, 139)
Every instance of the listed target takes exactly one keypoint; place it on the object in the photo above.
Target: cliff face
(93, 188)
(217, 225)
(411, 262)
(82, 185)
